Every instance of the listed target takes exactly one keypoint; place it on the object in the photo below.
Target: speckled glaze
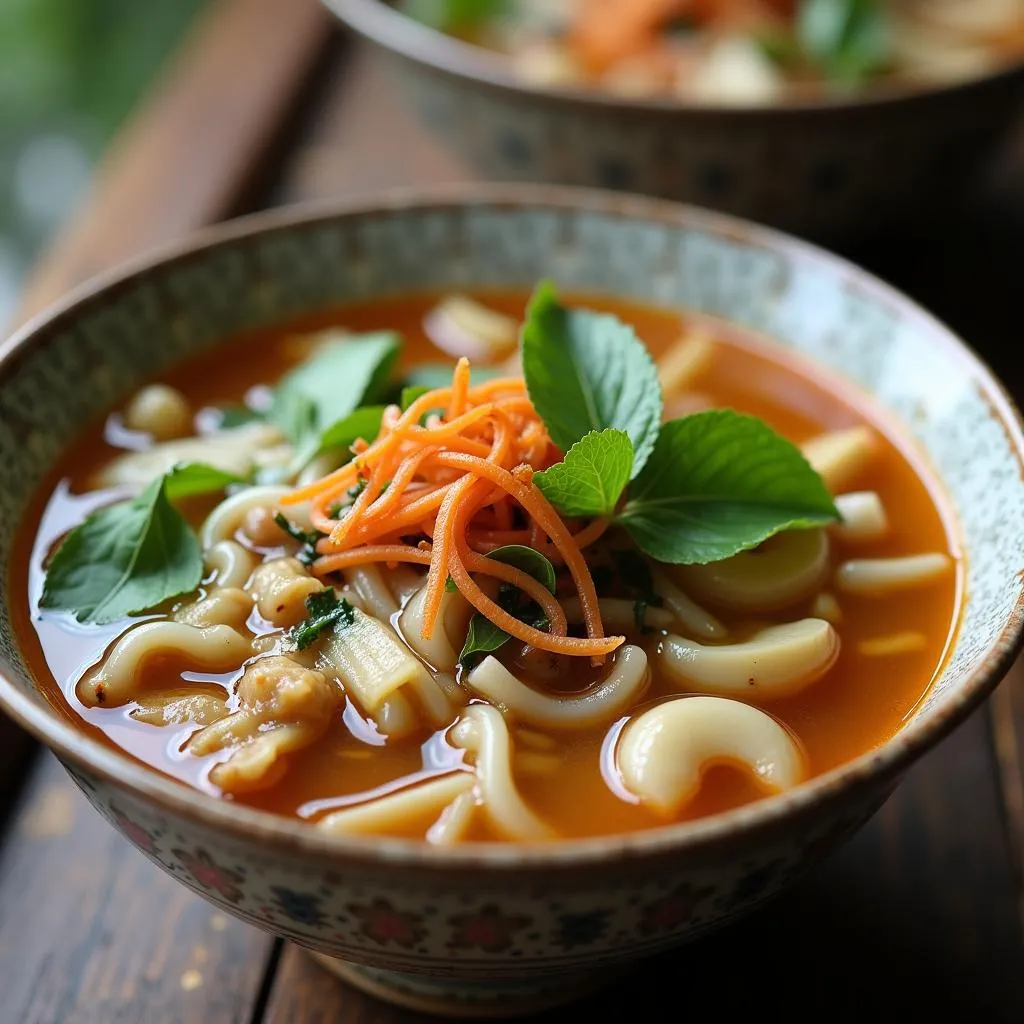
(496, 929)
(832, 170)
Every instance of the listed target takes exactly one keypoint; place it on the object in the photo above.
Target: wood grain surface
(919, 918)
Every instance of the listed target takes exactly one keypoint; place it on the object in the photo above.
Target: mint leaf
(325, 612)
(188, 479)
(364, 422)
(717, 483)
(484, 636)
(591, 478)
(431, 376)
(589, 371)
(848, 39)
(124, 559)
(339, 377)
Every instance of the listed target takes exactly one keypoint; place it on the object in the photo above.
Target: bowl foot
(467, 997)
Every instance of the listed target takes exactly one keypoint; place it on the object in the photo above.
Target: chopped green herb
(326, 612)
(410, 393)
(848, 39)
(588, 371)
(307, 539)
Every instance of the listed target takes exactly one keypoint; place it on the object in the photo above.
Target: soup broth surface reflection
(891, 644)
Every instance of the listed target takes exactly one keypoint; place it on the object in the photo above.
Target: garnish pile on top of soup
(737, 51)
(490, 567)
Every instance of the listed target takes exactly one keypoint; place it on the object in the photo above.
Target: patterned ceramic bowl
(492, 928)
(833, 170)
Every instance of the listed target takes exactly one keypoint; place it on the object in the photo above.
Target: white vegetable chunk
(159, 410)
(662, 754)
(864, 517)
(874, 577)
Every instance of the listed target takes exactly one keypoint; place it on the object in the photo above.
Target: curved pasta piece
(369, 585)
(440, 651)
(396, 716)
(280, 588)
(227, 518)
(695, 619)
(873, 577)
(232, 451)
(455, 820)
(395, 811)
(284, 707)
(776, 662)
(483, 732)
(621, 687)
(225, 606)
(662, 753)
(230, 563)
(119, 678)
(785, 569)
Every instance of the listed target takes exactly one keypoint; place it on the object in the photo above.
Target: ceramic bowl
(834, 170)
(500, 928)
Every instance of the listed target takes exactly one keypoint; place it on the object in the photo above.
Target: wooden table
(920, 918)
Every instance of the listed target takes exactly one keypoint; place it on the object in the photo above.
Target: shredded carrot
(461, 476)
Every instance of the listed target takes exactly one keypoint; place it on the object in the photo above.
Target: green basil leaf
(325, 612)
(529, 560)
(483, 636)
(591, 478)
(339, 377)
(848, 39)
(431, 376)
(588, 371)
(188, 479)
(717, 483)
(231, 416)
(124, 559)
(339, 436)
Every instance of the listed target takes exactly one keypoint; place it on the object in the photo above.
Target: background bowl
(491, 928)
(835, 170)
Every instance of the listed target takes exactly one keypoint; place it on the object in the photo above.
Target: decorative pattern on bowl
(464, 930)
(832, 170)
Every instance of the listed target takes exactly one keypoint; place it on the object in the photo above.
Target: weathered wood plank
(197, 143)
(93, 933)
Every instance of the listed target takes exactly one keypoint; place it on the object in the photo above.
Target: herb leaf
(307, 538)
(847, 39)
(334, 382)
(587, 371)
(188, 479)
(410, 393)
(484, 636)
(124, 559)
(720, 482)
(325, 612)
(591, 478)
(341, 435)
(431, 376)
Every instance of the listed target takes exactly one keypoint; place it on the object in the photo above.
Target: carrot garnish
(457, 467)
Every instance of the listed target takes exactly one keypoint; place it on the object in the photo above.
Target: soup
(478, 568)
(737, 51)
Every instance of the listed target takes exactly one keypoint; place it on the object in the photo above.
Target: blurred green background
(70, 70)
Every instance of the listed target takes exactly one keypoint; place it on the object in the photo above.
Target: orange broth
(859, 704)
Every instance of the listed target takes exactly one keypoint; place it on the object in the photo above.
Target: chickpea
(259, 526)
(160, 411)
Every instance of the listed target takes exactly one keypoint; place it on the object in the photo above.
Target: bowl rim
(382, 24)
(869, 771)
